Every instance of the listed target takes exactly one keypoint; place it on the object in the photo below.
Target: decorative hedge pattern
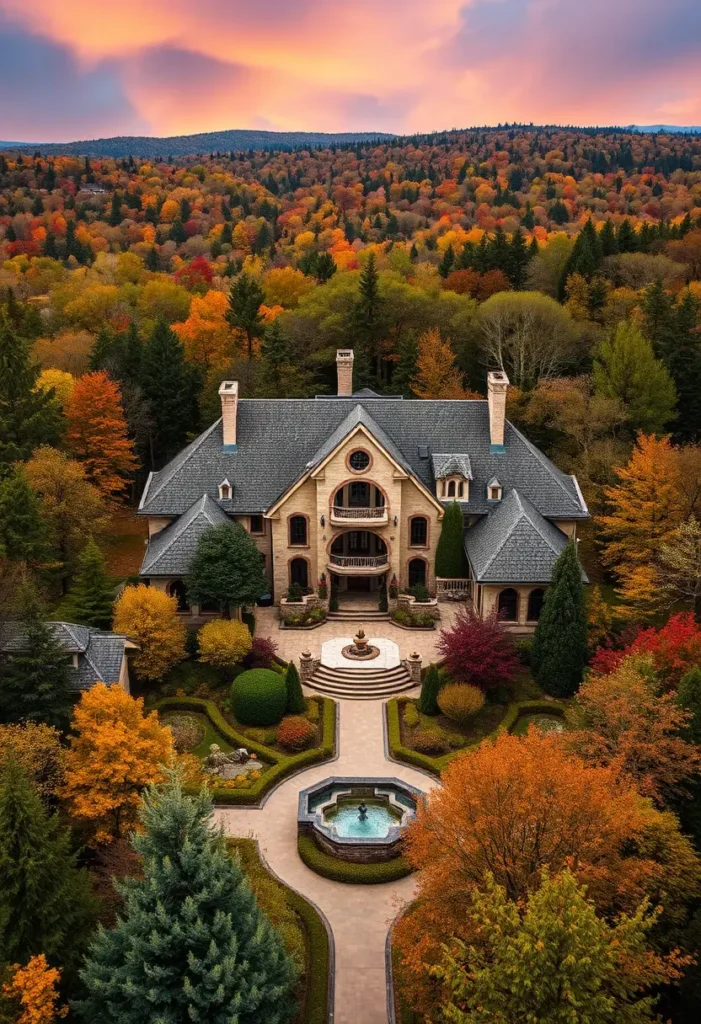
(281, 765)
(344, 871)
(435, 765)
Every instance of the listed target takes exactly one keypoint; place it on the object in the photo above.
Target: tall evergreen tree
(28, 416)
(367, 318)
(46, 905)
(91, 596)
(22, 532)
(35, 681)
(295, 696)
(275, 348)
(191, 943)
(245, 299)
(519, 258)
(682, 356)
(226, 569)
(560, 641)
(168, 385)
(430, 687)
(658, 317)
(451, 560)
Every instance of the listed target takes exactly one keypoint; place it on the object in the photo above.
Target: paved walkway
(359, 915)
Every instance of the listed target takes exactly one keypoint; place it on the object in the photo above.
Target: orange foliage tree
(34, 991)
(205, 334)
(509, 809)
(437, 376)
(634, 728)
(97, 432)
(116, 750)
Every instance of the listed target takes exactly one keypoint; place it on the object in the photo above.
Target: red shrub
(296, 733)
(674, 648)
(261, 654)
(479, 651)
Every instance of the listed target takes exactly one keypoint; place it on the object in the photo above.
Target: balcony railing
(358, 561)
(378, 512)
(453, 589)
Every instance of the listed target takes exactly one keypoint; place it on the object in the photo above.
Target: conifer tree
(519, 258)
(168, 385)
(245, 299)
(35, 682)
(430, 686)
(46, 905)
(451, 560)
(226, 569)
(91, 596)
(367, 317)
(560, 641)
(275, 348)
(625, 368)
(28, 415)
(191, 943)
(295, 697)
(23, 536)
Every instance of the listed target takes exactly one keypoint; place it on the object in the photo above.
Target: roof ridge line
(536, 525)
(545, 462)
(197, 444)
(177, 522)
(507, 535)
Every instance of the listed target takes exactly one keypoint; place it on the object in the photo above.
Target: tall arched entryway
(358, 560)
(507, 607)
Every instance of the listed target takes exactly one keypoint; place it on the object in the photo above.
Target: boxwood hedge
(344, 871)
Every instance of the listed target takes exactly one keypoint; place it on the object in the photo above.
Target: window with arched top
(177, 590)
(418, 536)
(298, 531)
(299, 572)
(417, 573)
(535, 604)
(451, 488)
(507, 608)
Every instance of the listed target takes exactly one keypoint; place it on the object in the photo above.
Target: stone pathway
(359, 915)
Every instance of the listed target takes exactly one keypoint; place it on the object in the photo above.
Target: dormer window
(225, 491)
(494, 490)
(455, 487)
(453, 473)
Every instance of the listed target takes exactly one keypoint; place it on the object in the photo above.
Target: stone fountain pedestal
(332, 655)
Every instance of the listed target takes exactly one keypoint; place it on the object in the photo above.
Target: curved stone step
(356, 615)
(361, 684)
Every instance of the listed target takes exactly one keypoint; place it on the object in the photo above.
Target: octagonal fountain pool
(358, 819)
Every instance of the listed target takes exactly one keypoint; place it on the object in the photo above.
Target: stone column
(306, 666)
(413, 664)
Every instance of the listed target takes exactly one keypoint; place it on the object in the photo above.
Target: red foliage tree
(478, 651)
(97, 432)
(674, 648)
(197, 274)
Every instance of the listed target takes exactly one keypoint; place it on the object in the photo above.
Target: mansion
(353, 486)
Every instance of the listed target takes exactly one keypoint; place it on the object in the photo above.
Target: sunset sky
(79, 69)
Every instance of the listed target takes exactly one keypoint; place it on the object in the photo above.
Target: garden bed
(345, 871)
(280, 764)
(303, 930)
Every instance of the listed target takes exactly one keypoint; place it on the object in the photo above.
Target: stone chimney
(344, 369)
(229, 395)
(497, 387)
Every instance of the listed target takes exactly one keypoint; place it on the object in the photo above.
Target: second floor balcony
(358, 515)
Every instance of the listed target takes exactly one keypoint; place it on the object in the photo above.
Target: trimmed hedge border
(344, 871)
(282, 765)
(315, 1009)
(435, 765)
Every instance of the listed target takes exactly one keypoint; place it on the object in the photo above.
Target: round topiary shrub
(460, 701)
(296, 733)
(428, 742)
(258, 697)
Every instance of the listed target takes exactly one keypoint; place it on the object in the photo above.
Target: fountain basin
(329, 813)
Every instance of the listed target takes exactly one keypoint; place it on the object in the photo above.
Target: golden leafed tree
(149, 618)
(437, 376)
(115, 752)
(97, 432)
(32, 992)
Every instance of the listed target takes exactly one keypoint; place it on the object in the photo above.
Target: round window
(359, 461)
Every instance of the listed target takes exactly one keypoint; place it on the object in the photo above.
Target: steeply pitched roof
(169, 552)
(449, 465)
(514, 544)
(278, 438)
(100, 654)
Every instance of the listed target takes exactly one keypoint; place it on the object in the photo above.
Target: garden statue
(362, 812)
(217, 759)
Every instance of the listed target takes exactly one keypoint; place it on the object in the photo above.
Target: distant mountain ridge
(205, 142)
(665, 129)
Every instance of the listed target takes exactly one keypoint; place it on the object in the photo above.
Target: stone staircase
(360, 683)
(357, 615)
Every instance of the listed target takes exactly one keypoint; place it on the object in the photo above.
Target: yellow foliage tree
(150, 618)
(115, 751)
(285, 286)
(436, 373)
(38, 748)
(206, 334)
(34, 991)
(224, 642)
(646, 507)
(61, 382)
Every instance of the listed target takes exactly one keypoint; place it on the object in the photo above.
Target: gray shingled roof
(514, 544)
(169, 552)
(100, 653)
(278, 438)
(448, 465)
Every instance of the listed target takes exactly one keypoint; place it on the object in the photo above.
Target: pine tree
(226, 569)
(275, 348)
(446, 264)
(683, 359)
(658, 317)
(103, 350)
(295, 698)
(91, 596)
(115, 217)
(192, 943)
(168, 385)
(451, 560)
(430, 686)
(22, 533)
(245, 299)
(367, 317)
(28, 416)
(519, 258)
(560, 641)
(35, 682)
(46, 905)
(625, 368)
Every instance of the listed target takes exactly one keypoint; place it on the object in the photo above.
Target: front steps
(357, 615)
(361, 683)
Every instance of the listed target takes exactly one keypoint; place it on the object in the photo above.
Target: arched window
(508, 605)
(451, 489)
(177, 589)
(419, 531)
(417, 573)
(299, 572)
(225, 490)
(298, 531)
(535, 604)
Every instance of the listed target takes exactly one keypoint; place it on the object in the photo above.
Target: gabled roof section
(358, 417)
(514, 544)
(451, 465)
(100, 654)
(170, 551)
(73, 639)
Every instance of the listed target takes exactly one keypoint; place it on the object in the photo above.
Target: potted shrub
(322, 587)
